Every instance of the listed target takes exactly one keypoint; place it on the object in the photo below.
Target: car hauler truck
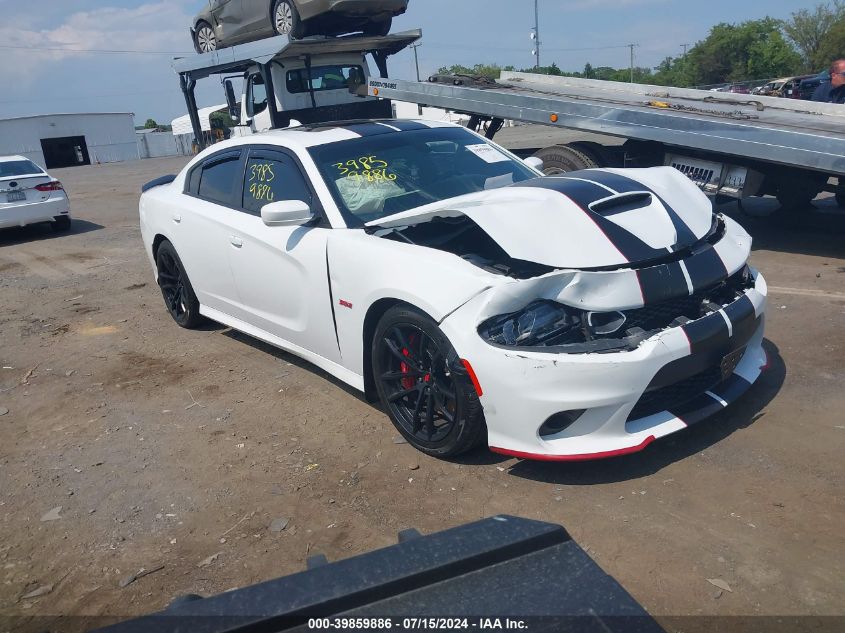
(729, 144)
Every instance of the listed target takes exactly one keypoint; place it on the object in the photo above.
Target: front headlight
(540, 323)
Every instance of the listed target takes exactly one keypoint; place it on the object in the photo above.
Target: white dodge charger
(29, 195)
(557, 318)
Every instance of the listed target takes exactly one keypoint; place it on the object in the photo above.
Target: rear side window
(12, 168)
(272, 177)
(335, 77)
(219, 178)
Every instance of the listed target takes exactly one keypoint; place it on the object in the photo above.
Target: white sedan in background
(29, 195)
(556, 318)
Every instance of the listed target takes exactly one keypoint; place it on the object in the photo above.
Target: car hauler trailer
(729, 144)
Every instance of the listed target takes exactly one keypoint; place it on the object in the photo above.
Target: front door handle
(177, 218)
(235, 241)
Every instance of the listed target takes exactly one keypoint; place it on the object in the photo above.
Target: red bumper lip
(583, 457)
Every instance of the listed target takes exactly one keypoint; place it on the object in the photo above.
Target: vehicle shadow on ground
(290, 358)
(749, 409)
(817, 230)
(40, 232)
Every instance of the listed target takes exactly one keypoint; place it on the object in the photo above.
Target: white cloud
(153, 26)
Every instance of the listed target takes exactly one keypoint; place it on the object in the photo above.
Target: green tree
(832, 46)
(150, 124)
(810, 31)
(221, 120)
(748, 50)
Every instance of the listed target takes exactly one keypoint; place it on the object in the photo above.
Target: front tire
(380, 29)
(286, 20)
(179, 297)
(423, 385)
(205, 40)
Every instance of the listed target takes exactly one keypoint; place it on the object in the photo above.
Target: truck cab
(310, 80)
(302, 91)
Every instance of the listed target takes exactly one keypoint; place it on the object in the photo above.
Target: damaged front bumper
(615, 402)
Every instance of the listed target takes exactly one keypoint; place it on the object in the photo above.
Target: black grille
(676, 394)
(662, 314)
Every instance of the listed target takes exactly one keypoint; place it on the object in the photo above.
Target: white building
(66, 140)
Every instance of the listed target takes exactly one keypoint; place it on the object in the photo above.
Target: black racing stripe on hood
(623, 184)
(705, 268)
(659, 283)
(583, 194)
(407, 126)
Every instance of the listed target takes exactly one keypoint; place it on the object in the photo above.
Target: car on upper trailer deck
(228, 22)
(555, 318)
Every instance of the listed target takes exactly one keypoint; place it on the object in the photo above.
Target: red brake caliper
(408, 383)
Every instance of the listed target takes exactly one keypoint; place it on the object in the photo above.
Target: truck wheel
(795, 195)
(560, 159)
(602, 156)
(286, 20)
(423, 385)
(378, 28)
(205, 40)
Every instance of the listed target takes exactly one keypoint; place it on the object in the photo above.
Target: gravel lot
(168, 447)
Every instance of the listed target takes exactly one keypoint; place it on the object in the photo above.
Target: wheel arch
(157, 242)
(374, 314)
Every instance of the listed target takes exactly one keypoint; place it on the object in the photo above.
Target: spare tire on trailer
(560, 159)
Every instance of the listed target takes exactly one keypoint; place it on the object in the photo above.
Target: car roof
(314, 134)
(9, 159)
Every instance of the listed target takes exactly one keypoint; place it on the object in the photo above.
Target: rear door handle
(235, 241)
(177, 218)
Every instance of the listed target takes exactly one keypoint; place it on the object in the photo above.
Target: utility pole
(417, 64)
(631, 46)
(684, 46)
(535, 35)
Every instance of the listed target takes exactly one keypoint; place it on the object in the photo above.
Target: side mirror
(535, 162)
(286, 213)
(231, 101)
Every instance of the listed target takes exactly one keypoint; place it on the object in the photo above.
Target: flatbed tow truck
(729, 144)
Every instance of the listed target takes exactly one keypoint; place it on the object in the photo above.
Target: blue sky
(37, 81)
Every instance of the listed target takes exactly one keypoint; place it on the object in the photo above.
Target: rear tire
(286, 20)
(378, 28)
(61, 223)
(205, 41)
(179, 297)
(560, 159)
(423, 385)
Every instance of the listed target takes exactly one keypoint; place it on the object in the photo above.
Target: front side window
(334, 77)
(13, 168)
(376, 176)
(272, 177)
(219, 177)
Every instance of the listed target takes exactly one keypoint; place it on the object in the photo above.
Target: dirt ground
(174, 448)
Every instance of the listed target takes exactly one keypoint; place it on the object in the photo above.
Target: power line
(93, 50)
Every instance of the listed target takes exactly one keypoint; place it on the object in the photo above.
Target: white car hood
(586, 219)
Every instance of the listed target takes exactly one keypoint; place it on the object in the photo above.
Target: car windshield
(386, 173)
(13, 168)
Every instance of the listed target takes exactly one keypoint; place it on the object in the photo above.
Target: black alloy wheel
(423, 385)
(179, 297)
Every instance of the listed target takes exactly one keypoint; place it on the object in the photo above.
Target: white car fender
(364, 269)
